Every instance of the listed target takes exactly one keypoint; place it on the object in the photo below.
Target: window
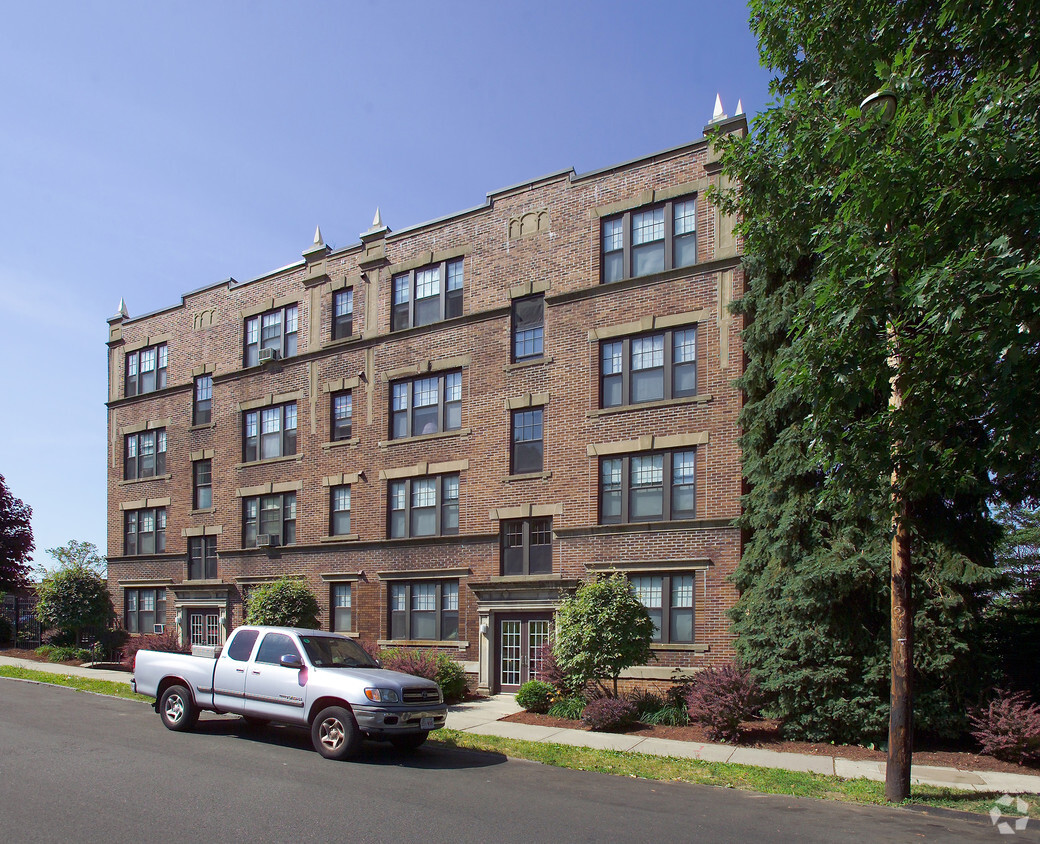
(649, 240)
(342, 620)
(269, 516)
(648, 368)
(426, 405)
(275, 330)
(339, 510)
(241, 645)
(144, 610)
(202, 484)
(426, 295)
(634, 488)
(528, 447)
(202, 558)
(202, 410)
(145, 531)
(425, 610)
(342, 313)
(528, 327)
(146, 370)
(145, 455)
(527, 547)
(669, 600)
(424, 506)
(342, 416)
(269, 432)
(274, 647)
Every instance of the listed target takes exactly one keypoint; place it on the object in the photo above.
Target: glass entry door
(204, 627)
(520, 639)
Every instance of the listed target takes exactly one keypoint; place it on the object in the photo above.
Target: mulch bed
(24, 653)
(766, 736)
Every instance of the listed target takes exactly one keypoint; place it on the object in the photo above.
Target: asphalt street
(85, 768)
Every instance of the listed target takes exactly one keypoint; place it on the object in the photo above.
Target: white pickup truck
(308, 678)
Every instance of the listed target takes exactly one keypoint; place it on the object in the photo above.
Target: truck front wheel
(334, 733)
(177, 710)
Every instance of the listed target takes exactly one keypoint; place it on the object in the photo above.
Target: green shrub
(440, 668)
(44, 650)
(5, 629)
(610, 713)
(645, 702)
(286, 602)
(535, 696)
(451, 677)
(568, 707)
(67, 654)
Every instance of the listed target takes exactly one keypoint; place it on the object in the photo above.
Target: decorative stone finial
(718, 114)
(121, 311)
(377, 220)
(740, 109)
(318, 240)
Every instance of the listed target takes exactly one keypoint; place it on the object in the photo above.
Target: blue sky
(148, 149)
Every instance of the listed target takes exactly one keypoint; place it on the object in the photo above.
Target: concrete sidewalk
(483, 717)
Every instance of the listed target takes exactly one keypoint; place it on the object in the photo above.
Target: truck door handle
(240, 671)
(256, 672)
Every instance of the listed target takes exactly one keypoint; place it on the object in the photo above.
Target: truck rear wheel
(334, 733)
(410, 741)
(177, 710)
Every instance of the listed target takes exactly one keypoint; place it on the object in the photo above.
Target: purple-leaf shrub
(721, 698)
(610, 714)
(168, 642)
(1009, 728)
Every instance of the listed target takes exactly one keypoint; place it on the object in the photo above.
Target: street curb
(70, 688)
(950, 814)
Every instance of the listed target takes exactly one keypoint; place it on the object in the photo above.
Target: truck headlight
(382, 695)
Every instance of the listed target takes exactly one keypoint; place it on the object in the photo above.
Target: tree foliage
(16, 539)
(74, 595)
(875, 250)
(602, 630)
(286, 602)
(82, 555)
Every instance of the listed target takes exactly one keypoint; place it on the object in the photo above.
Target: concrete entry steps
(483, 717)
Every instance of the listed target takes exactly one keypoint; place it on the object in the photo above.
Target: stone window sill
(133, 481)
(527, 476)
(524, 364)
(203, 427)
(695, 647)
(341, 443)
(440, 435)
(423, 643)
(286, 459)
(205, 511)
(343, 537)
(649, 405)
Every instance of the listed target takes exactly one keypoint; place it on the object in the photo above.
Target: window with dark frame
(144, 531)
(427, 405)
(424, 609)
(275, 330)
(427, 506)
(527, 453)
(144, 454)
(427, 295)
(269, 432)
(144, 610)
(669, 600)
(202, 409)
(527, 546)
(202, 484)
(342, 313)
(339, 510)
(146, 370)
(202, 558)
(342, 611)
(273, 516)
(648, 367)
(649, 240)
(648, 487)
(342, 406)
(528, 328)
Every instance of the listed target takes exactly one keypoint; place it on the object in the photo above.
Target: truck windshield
(334, 652)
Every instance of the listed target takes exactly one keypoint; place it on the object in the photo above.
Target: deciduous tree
(286, 602)
(16, 539)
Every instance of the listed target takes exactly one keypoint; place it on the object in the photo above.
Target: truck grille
(421, 694)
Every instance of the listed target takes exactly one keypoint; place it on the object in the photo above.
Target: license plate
(425, 723)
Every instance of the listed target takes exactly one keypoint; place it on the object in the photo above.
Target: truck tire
(410, 741)
(177, 710)
(334, 733)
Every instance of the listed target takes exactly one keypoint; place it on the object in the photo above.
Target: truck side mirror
(291, 661)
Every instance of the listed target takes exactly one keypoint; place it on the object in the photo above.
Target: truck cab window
(242, 645)
(274, 647)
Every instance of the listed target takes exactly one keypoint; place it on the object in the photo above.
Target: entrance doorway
(204, 627)
(520, 639)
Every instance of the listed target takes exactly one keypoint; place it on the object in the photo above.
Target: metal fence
(20, 612)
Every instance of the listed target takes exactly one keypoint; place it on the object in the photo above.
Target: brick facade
(543, 237)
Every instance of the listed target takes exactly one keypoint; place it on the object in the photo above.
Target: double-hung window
(202, 558)
(426, 295)
(144, 531)
(144, 610)
(202, 484)
(272, 517)
(339, 510)
(669, 600)
(146, 370)
(427, 506)
(145, 454)
(342, 406)
(342, 313)
(527, 546)
(650, 367)
(272, 333)
(647, 487)
(202, 409)
(424, 609)
(649, 240)
(426, 405)
(527, 453)
(528, 328)
(342, 615)
(269, 432)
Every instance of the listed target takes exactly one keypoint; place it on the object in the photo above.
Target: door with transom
(519, 642)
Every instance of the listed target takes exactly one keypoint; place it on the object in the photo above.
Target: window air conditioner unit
(264, 540)
(268, 355)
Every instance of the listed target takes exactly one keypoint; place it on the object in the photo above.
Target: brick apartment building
(443, 429)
